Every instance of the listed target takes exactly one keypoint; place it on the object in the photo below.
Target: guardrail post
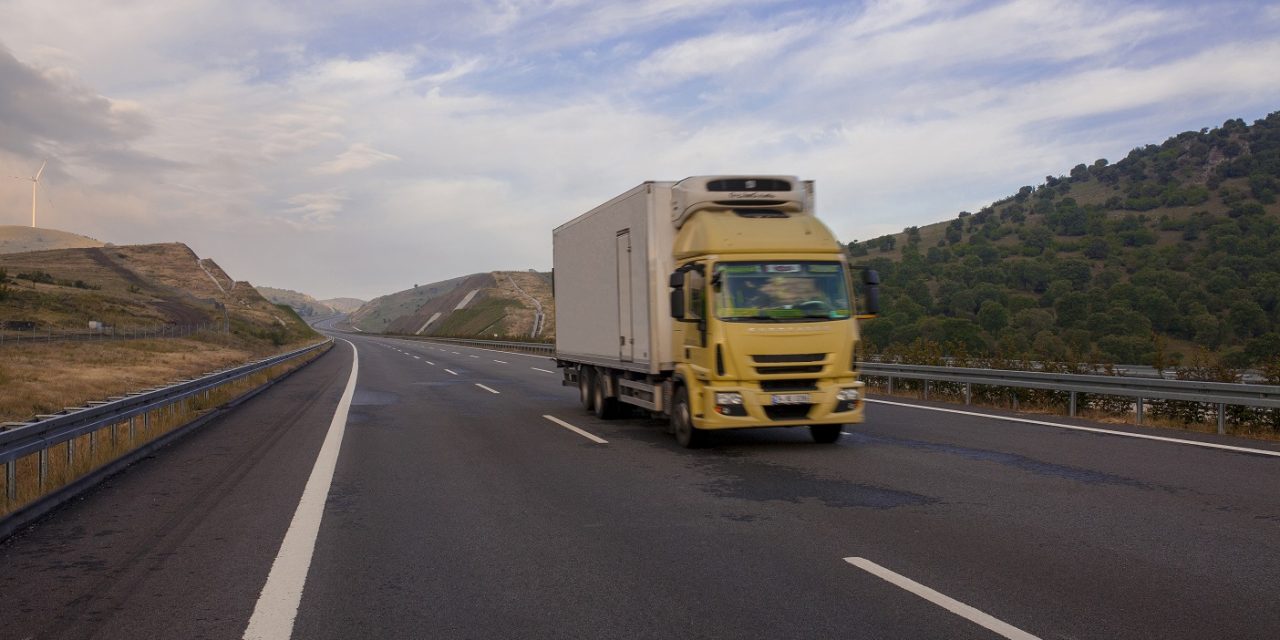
(926, 389)
(44, 467)
(1222, 419)
(968, 392)
(11, 480)
(890, 385)
(1071, 410)
(1139, 410)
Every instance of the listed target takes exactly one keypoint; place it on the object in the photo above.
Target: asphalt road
(458, 512)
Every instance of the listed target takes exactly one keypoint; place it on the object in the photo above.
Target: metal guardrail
(1141, 389)
(47, 459)
(13, 337)
(1221, 394)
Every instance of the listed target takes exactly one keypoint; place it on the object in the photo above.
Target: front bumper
(758, 410)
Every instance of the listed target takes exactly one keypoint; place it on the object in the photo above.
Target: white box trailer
(611, 266)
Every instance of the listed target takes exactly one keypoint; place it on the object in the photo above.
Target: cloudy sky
(356, 147)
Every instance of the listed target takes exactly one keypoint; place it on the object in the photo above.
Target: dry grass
(68, 461)
(45, 378)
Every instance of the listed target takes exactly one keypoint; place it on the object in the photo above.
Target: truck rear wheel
(689, 436)
(584, 388)
(605, 408)
(825, 433)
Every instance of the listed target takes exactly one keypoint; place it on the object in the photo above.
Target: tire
(584, 388)
(604, 407)
(825, 433)
(687, 435)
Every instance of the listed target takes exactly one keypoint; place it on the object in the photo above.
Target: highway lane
(1072, 534)
(459, 512)
(178, 544)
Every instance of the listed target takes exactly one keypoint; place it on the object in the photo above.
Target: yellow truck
(718, 302)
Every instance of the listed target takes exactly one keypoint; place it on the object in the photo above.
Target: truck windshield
(781, 291)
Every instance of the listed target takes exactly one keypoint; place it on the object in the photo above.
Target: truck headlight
(847, 395)
(729, 399)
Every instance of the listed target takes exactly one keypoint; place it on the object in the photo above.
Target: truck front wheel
(825, 433)
(689, 436)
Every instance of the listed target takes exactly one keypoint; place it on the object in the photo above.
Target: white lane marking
(277, 606)
(499, 362)
(452, 371)
(576, 430)
(542, 370)
(486, 388)
(950, 604)
(455, 353)
(473, 356)
(416, 358)
(1194, 443)
(430, 362)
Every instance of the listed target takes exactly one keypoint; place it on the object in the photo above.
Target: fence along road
(457, 512)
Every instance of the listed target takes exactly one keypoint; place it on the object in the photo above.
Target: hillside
(304, 304)
(1168, 253)
(343, 305)
(134, 286)
(137, 292)
(16, 239)
(498, 304)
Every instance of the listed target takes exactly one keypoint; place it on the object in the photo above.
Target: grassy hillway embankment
(125, 288)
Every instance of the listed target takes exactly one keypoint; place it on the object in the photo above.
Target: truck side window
(697, 303)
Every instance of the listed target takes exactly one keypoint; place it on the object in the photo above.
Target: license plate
(791, 398)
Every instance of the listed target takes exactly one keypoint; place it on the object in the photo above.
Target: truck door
(626, 341)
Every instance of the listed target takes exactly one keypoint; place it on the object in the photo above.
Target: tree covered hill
(1170, 252)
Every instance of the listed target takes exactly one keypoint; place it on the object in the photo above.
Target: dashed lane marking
(486, 388)
(950, 604)
(593, 438)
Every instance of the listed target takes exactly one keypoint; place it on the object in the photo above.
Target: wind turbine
(35, 182)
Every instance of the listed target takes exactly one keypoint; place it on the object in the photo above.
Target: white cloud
(252, 129)
(358, 156)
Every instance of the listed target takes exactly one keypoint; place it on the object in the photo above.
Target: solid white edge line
(595, 439)
(1194, 443)
(950, 604)
(452, 371)
(542, 370)
(277, 605)
(486, 388)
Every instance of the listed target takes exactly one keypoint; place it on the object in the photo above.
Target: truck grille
(790, 357)
(787, 411)
(787, 370)
(797, 384)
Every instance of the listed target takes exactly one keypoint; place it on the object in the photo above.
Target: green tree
(993, 317)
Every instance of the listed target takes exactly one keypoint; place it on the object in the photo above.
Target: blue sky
(354, 148)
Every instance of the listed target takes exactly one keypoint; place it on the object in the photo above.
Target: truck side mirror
(677, 295)
(871, 280)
